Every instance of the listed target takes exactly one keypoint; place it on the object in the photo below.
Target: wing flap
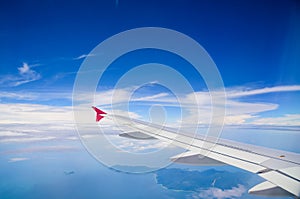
(235, 152)
(137, 135)
(294, 172)
(278, 164)
(195, 158)
(246, 165)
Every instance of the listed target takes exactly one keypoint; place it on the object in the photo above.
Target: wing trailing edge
(269, 189)
(137, 136)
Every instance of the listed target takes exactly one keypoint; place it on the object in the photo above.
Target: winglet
(99, 114)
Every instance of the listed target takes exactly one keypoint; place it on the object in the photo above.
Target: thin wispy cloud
(36, 96)
(152, 97)
(266, 90)
(237, 112)
(34, 149)
(83, 56)
(285, 120)
(25, 75)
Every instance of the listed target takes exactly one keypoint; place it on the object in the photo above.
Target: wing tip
(98, 110)
(99, 113)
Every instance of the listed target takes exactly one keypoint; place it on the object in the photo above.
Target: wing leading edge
(281, 169)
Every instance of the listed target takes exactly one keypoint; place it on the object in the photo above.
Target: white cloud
(137, 146)
(36, 114)
(27, 139)
(25, 75)
(235, 192)
(238, 119)
(35, 123)
(11, 133)
(17, 159)
(45, 133)
(132, 115)
(237, 112)
(24, 69)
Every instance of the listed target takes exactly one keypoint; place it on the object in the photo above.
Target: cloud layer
(237, 111)
(16, 117)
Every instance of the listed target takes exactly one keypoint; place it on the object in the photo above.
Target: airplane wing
(280, 169)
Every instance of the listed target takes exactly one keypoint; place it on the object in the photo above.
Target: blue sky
(247, 37)
(255, 45)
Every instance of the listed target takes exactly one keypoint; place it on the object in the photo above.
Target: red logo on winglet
(99, 112)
